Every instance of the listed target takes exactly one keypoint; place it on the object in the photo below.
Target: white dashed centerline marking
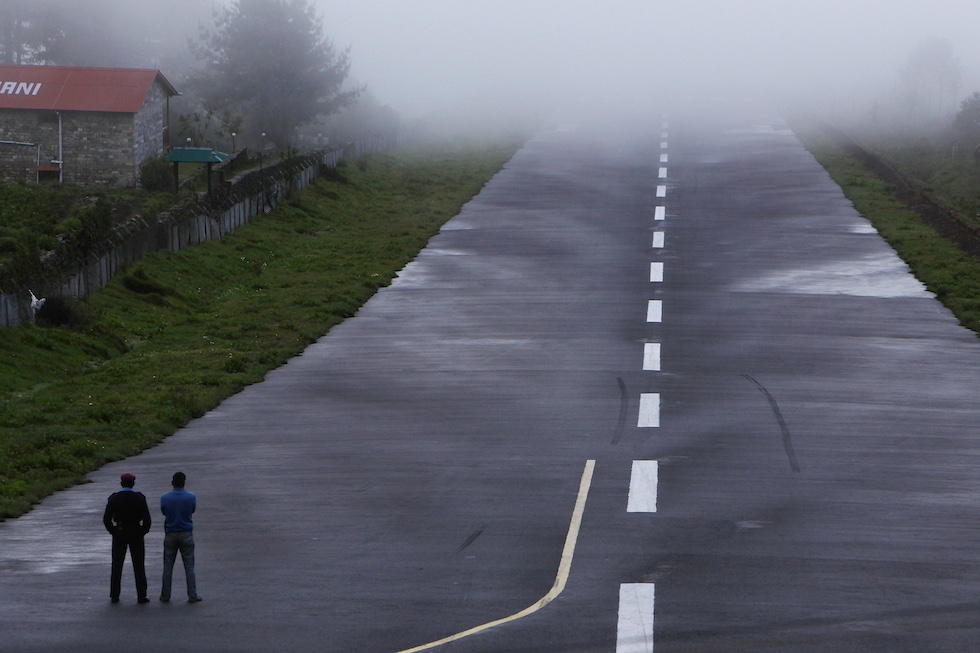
(634, 630)
(655, 310)
(651, 356)
(649, 410)
(656, 272)
(643, 487)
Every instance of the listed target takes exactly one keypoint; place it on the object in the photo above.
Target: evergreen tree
(269, 62)
(967, 121)
(100, 33)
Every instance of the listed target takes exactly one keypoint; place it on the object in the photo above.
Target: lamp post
(233, 135)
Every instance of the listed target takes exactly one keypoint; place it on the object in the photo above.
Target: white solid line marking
(634, 630)
(656, 272)
(651, 356)
(655, 310)
(663, 173)
(663, 158)
(564, 566)
(658, 239)
(643, 487)
(661, 191)
(660, 213)
(649, 410)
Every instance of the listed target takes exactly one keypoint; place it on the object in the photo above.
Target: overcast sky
(419, 54)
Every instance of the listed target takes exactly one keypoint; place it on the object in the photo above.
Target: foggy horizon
(429, 59)
(425, 55)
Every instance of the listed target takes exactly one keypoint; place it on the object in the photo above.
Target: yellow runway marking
(563, 569)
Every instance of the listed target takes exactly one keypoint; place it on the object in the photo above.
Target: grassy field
(949, 272)
(171, 337)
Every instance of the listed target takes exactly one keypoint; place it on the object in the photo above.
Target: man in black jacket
(128, 519)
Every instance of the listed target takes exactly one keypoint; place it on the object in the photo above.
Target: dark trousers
(137, 554)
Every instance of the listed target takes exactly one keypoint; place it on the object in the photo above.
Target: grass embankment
(174, 335)
(945, 171)
(39, 219)
(945, 269)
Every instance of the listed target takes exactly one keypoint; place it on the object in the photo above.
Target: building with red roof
(84, 126)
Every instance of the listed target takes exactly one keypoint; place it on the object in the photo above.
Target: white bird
(36, 304)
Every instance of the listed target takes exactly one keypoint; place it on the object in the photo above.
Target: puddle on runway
(879, 275)
(55, 539)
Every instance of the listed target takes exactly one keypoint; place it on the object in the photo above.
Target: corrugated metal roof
(63, 88)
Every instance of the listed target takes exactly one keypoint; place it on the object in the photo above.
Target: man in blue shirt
(127, 517)
(178, 505)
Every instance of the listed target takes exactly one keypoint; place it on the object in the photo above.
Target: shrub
(156, 174)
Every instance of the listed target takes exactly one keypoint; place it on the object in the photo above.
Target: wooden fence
(239, 200)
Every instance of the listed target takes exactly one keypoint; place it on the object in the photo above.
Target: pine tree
(269, 62)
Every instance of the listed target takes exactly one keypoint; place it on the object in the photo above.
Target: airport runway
(657, 387)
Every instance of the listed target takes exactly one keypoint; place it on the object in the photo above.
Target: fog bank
(425, 55)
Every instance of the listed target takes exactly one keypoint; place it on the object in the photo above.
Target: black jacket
(126, 514)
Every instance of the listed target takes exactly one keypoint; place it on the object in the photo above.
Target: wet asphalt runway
(789, 416)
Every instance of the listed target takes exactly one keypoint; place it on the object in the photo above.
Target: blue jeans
(182, 541)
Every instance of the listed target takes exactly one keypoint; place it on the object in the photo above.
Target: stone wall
(149, 125)
(27, 136)
(98, 149)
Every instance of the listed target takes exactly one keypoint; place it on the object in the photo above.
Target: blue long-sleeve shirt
(177, 506)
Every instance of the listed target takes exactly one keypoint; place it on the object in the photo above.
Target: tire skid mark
(471, 539)
(787, 439)
(624, 404)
